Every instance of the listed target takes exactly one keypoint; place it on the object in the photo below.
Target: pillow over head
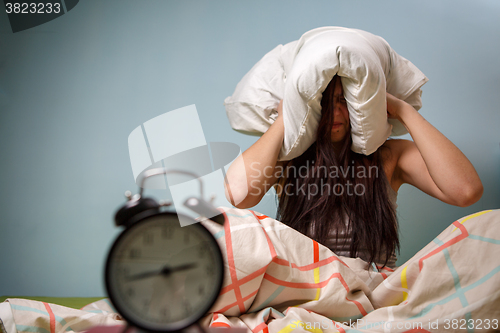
(252, 107)
(299, 72)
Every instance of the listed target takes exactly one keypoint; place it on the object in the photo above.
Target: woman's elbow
(245, 204)
(239, 196)
(471, 194)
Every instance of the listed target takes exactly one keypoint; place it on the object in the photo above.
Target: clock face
(161, 276)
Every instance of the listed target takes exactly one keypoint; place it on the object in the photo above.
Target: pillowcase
(252, 107)
(299, 72)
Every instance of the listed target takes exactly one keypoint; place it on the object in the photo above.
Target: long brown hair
(316, 198)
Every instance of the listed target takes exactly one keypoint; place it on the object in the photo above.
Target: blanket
(278, 280)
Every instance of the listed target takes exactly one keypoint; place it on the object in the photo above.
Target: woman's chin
(338, 136)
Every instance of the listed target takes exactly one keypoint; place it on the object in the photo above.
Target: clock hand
(145, 275)
(166, 270)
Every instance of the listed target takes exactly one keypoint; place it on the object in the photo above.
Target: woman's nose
(337, 109)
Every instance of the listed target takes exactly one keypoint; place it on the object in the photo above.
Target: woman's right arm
(253, 172)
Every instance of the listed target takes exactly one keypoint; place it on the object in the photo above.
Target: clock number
(167, 232)
(146, 303)
(135, 253)
(210, 270)
(148, 239)
(123, 271)
(201, 250)
(187, 307)
(165, 313)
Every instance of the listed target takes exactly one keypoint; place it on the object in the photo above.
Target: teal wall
(73, 89)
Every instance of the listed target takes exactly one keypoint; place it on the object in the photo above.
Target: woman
(352, 210)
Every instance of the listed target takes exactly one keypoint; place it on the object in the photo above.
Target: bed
(293, 283)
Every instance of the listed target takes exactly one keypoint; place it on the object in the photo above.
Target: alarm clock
(159, 276)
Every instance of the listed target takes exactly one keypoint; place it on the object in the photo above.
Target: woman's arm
(252, 174)
(431, 162)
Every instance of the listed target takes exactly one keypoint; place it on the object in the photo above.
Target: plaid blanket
(278, 280)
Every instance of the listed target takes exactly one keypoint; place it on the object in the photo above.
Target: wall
(73, 89)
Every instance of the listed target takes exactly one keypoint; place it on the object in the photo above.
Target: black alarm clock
(159, 276)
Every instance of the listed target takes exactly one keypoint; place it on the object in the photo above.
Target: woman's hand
(280, 109)
(394, 106)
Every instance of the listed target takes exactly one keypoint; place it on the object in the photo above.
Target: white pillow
(299, 72)
(252, 107)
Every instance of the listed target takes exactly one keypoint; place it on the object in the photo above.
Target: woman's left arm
(431, 162)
